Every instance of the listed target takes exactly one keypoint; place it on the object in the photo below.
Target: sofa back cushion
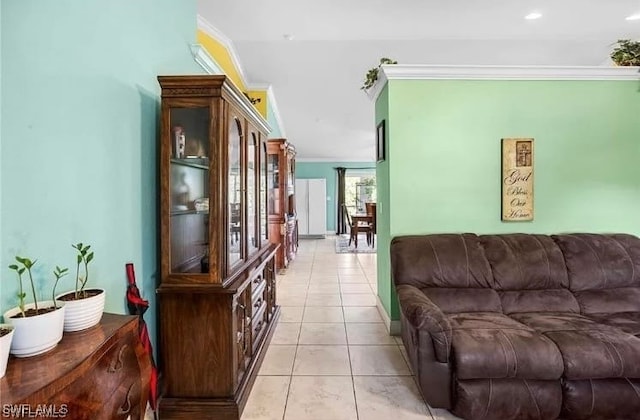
(529, 273)
(601, 261)
(604, 271)
(454, 301)
(445, 261)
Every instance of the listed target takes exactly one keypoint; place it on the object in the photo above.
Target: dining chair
(356, 228)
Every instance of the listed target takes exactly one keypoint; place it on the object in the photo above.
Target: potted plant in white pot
(371, 77)
(626, 53)
(37, 325)
(84, 307)
(6, 334)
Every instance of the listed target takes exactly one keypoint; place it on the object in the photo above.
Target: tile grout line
(353, 383)
(286, 401)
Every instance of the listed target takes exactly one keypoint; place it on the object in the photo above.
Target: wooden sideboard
(99, 373)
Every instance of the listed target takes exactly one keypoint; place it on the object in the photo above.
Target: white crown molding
(212, 31)
(377, 87)
(204, 59)
(271, 97)
(435, 72)
(392, 72)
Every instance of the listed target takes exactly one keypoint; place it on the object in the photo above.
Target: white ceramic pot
(5, 345)
(35, 334)
(83, 313)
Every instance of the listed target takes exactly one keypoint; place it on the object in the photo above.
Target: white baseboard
(393, 327)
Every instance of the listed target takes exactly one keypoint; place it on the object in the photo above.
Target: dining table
(361, 220)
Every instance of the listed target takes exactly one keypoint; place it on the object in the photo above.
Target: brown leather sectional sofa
(522, 326)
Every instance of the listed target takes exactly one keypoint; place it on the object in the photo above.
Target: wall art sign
(517, 179)
(380, 142)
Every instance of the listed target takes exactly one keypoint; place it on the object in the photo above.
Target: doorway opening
(360, 188)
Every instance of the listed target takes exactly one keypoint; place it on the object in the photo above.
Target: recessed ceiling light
(633, 17)
(533, 15)
(288, 37)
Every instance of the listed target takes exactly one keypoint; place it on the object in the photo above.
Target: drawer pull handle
(259, 327)
(257, 280)
(258, 303)
(117, 363)
(239, 336)
(125, 410)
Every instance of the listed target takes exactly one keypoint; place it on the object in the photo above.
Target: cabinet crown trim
(202, 82)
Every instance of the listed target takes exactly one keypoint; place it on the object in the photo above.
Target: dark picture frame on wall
(380, 142)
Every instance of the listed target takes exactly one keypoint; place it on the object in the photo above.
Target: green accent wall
(383, 209)
(79, 141)
(445, 156)
(326, 170)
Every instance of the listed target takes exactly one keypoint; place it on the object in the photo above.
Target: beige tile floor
(331, 357)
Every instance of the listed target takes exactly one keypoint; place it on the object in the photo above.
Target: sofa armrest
(423, 315)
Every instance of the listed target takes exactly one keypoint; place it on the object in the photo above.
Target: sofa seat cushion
(601, 399)
(491, 345)
(626, 321)
(507, 399)
(590, 350)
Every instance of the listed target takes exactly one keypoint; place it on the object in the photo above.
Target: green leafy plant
(372, 75)
(58, 273)
(26, 264)
(626, 53)
(21, 294)
(84, 257)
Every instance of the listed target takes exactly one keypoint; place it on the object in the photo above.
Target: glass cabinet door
(291, 200)
(264, 234)
(273, 180)
(252, 226)
(235, 228)
(189, 186)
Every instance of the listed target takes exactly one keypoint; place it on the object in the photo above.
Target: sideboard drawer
(117, 366)
(258, 326)
(257, 297)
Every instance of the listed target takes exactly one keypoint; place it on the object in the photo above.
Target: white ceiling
(316, 76)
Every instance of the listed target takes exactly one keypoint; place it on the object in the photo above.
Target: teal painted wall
(326, 170)
(444, 156)
(79, 139)
(276, 132)
(1, 236)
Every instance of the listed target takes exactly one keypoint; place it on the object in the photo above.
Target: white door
(317, 192)
(302, 206)
(311, 205)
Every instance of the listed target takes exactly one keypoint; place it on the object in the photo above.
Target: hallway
(331, 357)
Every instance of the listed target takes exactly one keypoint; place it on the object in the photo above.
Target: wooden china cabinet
(283, 221)
(217, 293)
